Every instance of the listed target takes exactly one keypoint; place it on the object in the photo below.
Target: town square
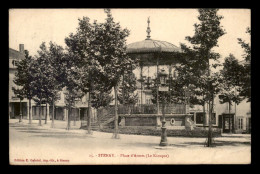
(129, 86)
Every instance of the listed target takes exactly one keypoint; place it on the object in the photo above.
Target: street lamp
(164, 89)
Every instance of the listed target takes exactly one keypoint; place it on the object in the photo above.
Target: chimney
(21, 48)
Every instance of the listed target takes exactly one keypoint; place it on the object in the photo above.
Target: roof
(13, 54)
(151, 46)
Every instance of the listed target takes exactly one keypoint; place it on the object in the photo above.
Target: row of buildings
(14, 102)
(154, 56)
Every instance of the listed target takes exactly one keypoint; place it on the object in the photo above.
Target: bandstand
(154, 56)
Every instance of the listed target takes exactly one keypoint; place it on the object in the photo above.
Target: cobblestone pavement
(42, 145)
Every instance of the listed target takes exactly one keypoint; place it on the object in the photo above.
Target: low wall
(173, 121)
(140, 121)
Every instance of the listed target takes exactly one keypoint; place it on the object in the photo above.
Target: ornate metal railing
(147, 109)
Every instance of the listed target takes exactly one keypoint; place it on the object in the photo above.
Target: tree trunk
(46, 113)
(209, 141)
(229, 111)
(204, 115)
(170, 85)
(116, 134)
(74, 116)
(30, 114)
(89, 114)
(40, 113)
(21, 115)
(235, 127)
(53, 112)
(157, 87)
(123, 89)
(209, 144)
(141, 76)
(69, 114)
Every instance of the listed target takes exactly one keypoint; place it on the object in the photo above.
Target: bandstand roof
(149, 51)
(151, 46)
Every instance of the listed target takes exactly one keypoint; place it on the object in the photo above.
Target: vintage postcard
(129, 86)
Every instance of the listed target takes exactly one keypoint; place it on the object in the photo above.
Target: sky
(31, 27)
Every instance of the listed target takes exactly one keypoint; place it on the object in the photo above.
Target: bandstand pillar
(141, 85)
(157, 86)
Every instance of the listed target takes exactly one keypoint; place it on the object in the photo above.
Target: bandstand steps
(104, 121)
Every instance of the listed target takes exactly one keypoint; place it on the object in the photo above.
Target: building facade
(14, 102)
(61, 113)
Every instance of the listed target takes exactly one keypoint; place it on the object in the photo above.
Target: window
(213, 119)
(240, 123)
(15, 62)
(199, 117)
(163, 80)
(34, 110)
(42, 108)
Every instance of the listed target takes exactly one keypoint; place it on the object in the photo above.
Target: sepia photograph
(122, 86)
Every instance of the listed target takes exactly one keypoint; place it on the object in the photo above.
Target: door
(17, 110)
(249, 125)
(228, 123)
(220, 117)
(82, 110)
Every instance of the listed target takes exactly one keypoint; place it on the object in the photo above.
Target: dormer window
(15, 62)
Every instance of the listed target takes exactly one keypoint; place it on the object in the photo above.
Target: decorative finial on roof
(148, 29)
